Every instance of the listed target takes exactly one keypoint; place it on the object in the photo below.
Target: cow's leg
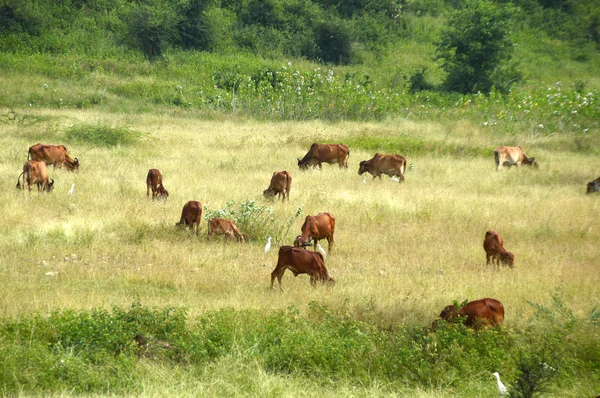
(487, 257)
(277, 273)
(313, 280)
(330, 241)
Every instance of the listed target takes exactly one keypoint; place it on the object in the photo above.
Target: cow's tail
(497, 159)
(403, 170)
(29, 155)
(19, 181)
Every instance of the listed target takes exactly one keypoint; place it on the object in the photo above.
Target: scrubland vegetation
(219, 95)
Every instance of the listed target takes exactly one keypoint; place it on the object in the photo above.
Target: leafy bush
(256, 221)
(475, 47)
(101, 135)
(152, 29)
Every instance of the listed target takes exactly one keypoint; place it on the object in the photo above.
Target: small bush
(102, 135)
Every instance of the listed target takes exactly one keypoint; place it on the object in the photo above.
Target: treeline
(331, 31)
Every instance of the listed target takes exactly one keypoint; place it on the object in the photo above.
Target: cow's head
(531, 161)
(299, 242)
(303, 164)
(362, 167)
(508, 258)
(49, 186)
(269, 193)
(592, 187)
(162, 193)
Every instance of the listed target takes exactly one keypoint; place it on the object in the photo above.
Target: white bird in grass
(396, 179)
(501, 387)
(365, 180)
(268, 245)
(320, 248)
(72, 190)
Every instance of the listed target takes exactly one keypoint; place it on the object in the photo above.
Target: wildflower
(45, 86)
(541, 126)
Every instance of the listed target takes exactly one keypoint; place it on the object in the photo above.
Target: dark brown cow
(300, 261)
(55, 155)
(221, 226)
(512, 156)
(593, 186)
(479, 313)
(280, 185)
(493, 245)
(191, 215)
(315, 228)
(391, 165)
(35, 172)
(154, 182)
(325, 153)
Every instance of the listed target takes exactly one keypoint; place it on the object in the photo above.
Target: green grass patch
(102, 135)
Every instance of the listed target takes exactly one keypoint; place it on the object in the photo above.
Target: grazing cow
(35, 172)
(484, 312)
(494, 249)
(325, 153)
(391, 165)
(191, 215)
(512, 156)
(280, 185)
(221, 226)
(315, 228)
(55, 155)
(593, 186)
(301, 261)
(154, 182)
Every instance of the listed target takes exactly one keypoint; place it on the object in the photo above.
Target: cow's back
(489, 309)
(192, 212)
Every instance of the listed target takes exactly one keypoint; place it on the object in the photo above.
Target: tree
(476, 49)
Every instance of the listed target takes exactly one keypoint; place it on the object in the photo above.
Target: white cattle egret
(395, 179)
(501, 387)
(320, 248)
(72, 190)
(268, 245)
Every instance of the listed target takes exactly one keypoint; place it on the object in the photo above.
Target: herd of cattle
(296, 258)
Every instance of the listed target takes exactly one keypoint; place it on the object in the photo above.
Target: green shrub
(101, 135)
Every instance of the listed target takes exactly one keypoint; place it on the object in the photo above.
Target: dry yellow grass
(402, 251)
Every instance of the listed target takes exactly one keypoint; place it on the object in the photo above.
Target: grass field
(402, 251)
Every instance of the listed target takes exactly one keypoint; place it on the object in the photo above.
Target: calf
(35, 172)
(593, 186)
(494, 249)
(221, 226)
(191, 215)
(325, 153)
(512, 156)
(391, 165)
(300, 261)
(484, 312)
(154, 182)
(315, 228)
(280, 185)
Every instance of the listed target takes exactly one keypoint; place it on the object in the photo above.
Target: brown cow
(55, 155)
(512, 156)
(593, 186)
(300, 261)
(391, 165)
(494, 249)
(191, 215)
(325, 153)
(280, 185)
(154, 182)
(315, 228)
(484, 312)
(35, 172)
(221, 226)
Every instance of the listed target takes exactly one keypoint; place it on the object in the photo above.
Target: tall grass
(402, 252)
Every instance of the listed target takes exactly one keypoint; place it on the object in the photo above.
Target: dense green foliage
(95, 351)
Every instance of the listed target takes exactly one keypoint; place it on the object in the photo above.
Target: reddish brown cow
(315, 228)
(325, 153)
(55, 155)
(484, 312)
(35, 172)
(391, 165)
(221, 226)
(191, 215)
(154, 182)
(301, 261)
(512, 156)
(280, 185)
(593, 186)
(493, 245)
